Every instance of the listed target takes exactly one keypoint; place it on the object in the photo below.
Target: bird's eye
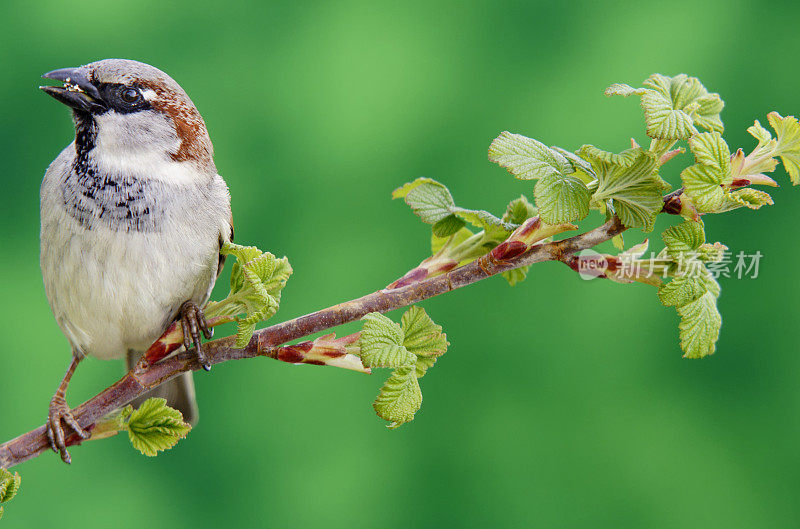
(130, 95)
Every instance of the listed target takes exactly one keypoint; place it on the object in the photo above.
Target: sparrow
(133, 216)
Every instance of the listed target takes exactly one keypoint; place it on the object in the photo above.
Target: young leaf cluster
(9, 486)
(693, 291)
(452, 242)
(410, 349)
(675, 106)
(257, 279)
(627, 185)
(153, 427)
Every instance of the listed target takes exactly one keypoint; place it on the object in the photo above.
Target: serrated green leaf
(519, 210)
(625, 158)
(9, 485)
(434, 204)
(279, 275)
(154, 426)
(382, 343)
(424, 363)
(582, 167)
(516, 275)
(683, 238)
(406, 188)
(688, 287)
(675, 106)
(699, 327)
(447, 226)
(711, 252)
(430, 200)
(787, 130)
(257, 279)
(400, 397)
(526, 158)
(422, 336)
(634, 191)
(494, 227)
(561, 198)
(760, 133)
(703, 181)
(622, 89)
(745, 198)
(663, 121)
(244, 333)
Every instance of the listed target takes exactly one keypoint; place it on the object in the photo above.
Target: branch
(266, 342)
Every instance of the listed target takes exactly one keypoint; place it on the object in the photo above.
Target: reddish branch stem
(265, 342)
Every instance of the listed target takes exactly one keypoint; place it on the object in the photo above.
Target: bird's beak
(78, 91)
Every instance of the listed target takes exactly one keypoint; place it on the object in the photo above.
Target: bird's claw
(194, 322)
(59, 411)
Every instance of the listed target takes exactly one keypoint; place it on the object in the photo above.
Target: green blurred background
(562, 403)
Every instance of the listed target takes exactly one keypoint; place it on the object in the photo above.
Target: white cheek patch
(149, 94)
(139, 144)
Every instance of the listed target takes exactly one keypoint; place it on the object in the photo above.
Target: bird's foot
(59, 411)
(194, 322)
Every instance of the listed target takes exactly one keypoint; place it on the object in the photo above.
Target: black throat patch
(96, 198)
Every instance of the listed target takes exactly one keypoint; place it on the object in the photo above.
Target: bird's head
(134, 110)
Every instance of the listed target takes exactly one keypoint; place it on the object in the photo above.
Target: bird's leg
(194, 322)
(59, 411)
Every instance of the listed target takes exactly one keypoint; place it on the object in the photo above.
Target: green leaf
(412, 348)
(634, 190)
(688, 287)
(581, 166)
(519, 210)
(681, 290)
(494, 227)
(403, 190)
(447, 226)
(9, 485)
(154, 426)
(244, 332)
(683, 238)
(516, 275)
(787, 131)
(561, 198)
(675, 106)
(422, 337)
(625, 159)
(760, 133)
(711, 252)
(430, 200)
(382, 343)
(746, 197)
(434, 204)
(400, 398)
(257, 279)
(703, 181)
(527, 158)
(699, 327)
(622, 89)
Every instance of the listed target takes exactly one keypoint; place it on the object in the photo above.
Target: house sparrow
(133, 217)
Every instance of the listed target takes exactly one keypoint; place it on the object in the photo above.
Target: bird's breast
(120, 203)
(120, 254)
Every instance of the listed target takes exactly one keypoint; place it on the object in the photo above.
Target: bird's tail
(179, 392)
